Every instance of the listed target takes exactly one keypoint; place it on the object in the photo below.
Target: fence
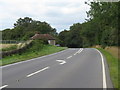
(10, 42)
(17, 51)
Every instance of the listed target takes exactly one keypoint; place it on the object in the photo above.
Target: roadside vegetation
(113, 66)
(115, 51)
(38, 48)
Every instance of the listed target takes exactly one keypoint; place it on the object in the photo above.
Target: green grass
(36, 50)
(113, 66)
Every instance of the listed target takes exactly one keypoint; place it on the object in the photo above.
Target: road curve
(71, 68)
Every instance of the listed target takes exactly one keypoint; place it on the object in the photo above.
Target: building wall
(51, 42)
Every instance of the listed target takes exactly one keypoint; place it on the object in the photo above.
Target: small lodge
(48, 37)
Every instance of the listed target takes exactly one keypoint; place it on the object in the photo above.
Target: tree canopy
(25, 28)
(100, 29)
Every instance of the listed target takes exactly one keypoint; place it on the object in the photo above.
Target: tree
(23, 22)
(62, 38)
(75, 39)
(26, 27)
(104, 16)
(71, 38)
(100, 29)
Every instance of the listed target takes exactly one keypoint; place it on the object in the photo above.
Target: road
(71, 68)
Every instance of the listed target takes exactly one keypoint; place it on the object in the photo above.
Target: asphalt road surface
(71, 68)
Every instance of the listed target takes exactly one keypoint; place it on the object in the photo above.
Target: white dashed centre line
(37, 71)
(79, 51)
(69, 57)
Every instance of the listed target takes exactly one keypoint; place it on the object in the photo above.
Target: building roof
(43, 36)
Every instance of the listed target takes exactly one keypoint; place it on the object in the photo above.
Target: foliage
(71, 38)
(62, 38)
(36, 45)
(26, 28)
(104, 18)
(100, 29)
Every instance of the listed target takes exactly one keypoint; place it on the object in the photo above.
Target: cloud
(59, 13)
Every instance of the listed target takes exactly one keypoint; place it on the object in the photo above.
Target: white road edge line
(3, 87)
(69, 57)
(103, 69)
(37, 72)
(61, 61)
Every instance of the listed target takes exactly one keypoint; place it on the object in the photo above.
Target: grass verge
(31, 53)
(113, 66)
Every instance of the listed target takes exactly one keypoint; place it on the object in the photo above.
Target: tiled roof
(43, 36)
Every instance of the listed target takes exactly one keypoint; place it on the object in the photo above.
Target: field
(6, 45)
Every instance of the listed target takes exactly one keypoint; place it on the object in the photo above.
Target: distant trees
(71, 38)
(100, 29)
(63, 38)
(25, 28)
(23, 22)
(74, 38)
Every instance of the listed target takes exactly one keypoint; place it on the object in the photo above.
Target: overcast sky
(60, 14)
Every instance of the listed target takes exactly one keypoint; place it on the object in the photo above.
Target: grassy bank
(113, 66)
(115, 51)
(36, 50)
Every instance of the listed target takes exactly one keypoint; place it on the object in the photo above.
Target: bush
(36, 45)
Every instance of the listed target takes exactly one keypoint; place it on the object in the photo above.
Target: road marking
(79, 51)
(103, 69)
(61, 61)
(69, 57)
(75, 54)
(3, 87)
(37, 72)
